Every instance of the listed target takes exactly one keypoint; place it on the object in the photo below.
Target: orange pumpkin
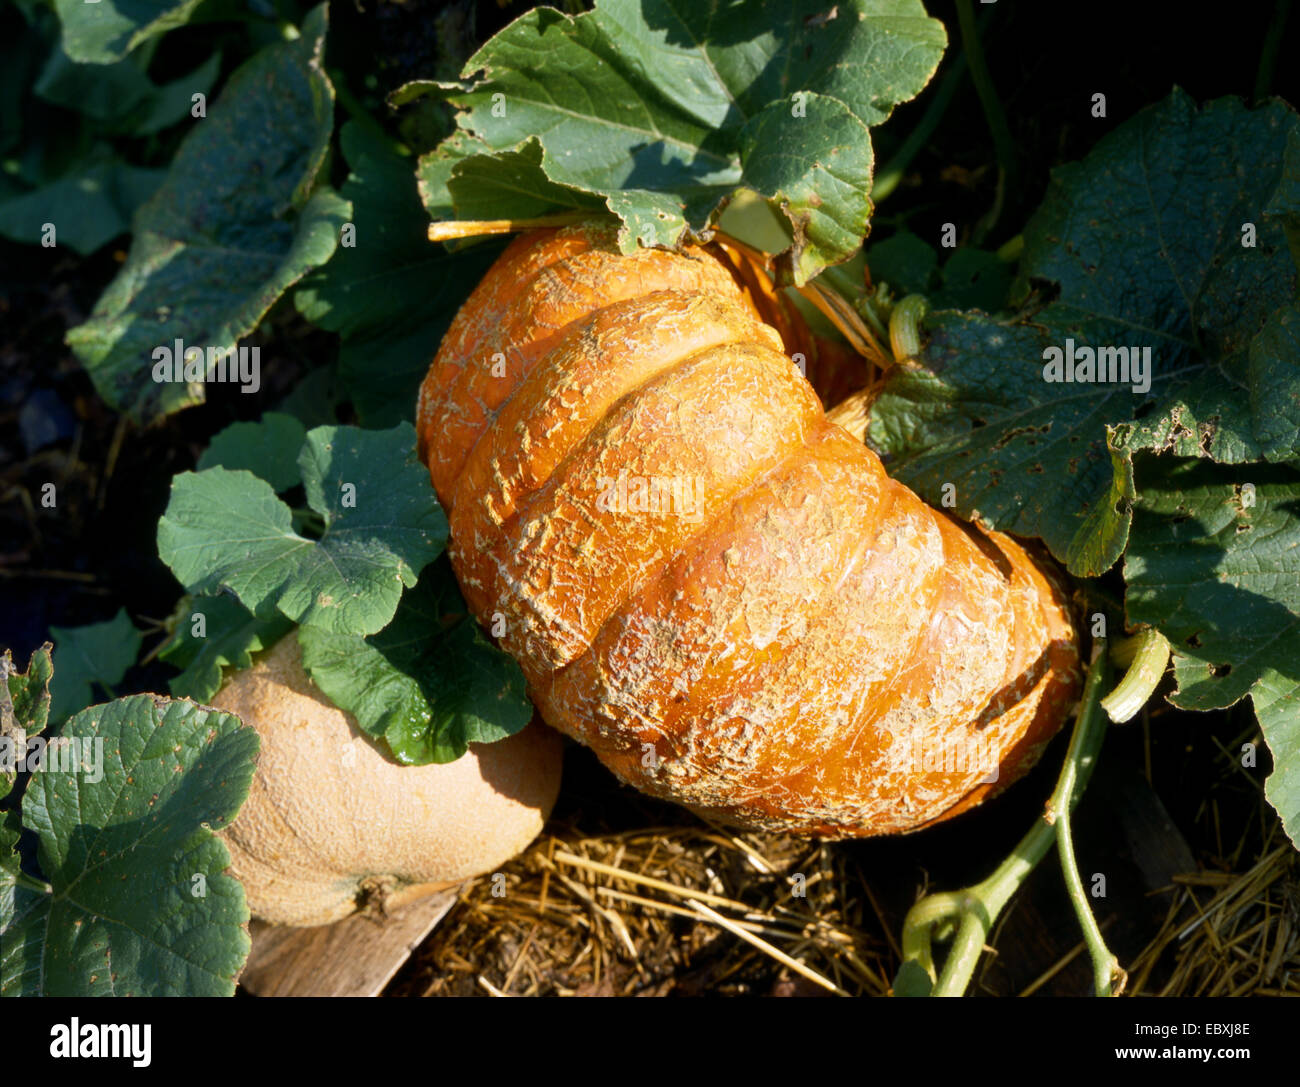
(716, 589)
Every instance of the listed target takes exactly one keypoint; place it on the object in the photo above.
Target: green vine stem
(1003, 144)
(31, 883)
(1149, 653)
(895, 169)
(1108, 977)
(308, 521)
(905, 326)
(975, 909)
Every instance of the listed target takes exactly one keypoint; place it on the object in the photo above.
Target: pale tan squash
(333, 823)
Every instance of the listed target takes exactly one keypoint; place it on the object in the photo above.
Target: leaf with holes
(1213, 561)
(1021, 455)
(1144, 244)
(24, 708)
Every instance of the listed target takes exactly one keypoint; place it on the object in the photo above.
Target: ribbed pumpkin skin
(808, 648)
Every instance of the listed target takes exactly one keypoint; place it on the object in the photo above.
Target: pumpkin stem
(449, 230)
(838, 309)
(840, 312)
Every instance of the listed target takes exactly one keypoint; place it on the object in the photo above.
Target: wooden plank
(354, 957)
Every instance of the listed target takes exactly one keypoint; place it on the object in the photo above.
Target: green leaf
(230, 633)
(24, 708)
(11, 830)
(89, 206)
(99, 653)
(382, 525)
(1213, 562)
(121, 96)
(267, 448)
(359, 679)
(393, 293)
(1145, 239)
(463, 178)
(1285, 205)
(905, 262)
(1022, 455)
(429, 683)
(104, 32)
(1143, 244)
(974, 279)
(140, 900)
(238, 220)
(817, 171)
(1275, 385)
(665, 110)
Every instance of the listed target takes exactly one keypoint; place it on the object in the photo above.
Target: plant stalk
(31, 883)
(1003, 144)
(454, 230)
(1108, 977)
(980, 905)
(1150, 658)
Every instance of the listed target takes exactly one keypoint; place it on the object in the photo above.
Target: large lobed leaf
(660, 111)
(1143, 242)
(1141, 245)
(237, 221)
(140, 902)
(227, 530)
(428, 684)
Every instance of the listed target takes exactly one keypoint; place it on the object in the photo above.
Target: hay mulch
(1230, 933)
(681, 910)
